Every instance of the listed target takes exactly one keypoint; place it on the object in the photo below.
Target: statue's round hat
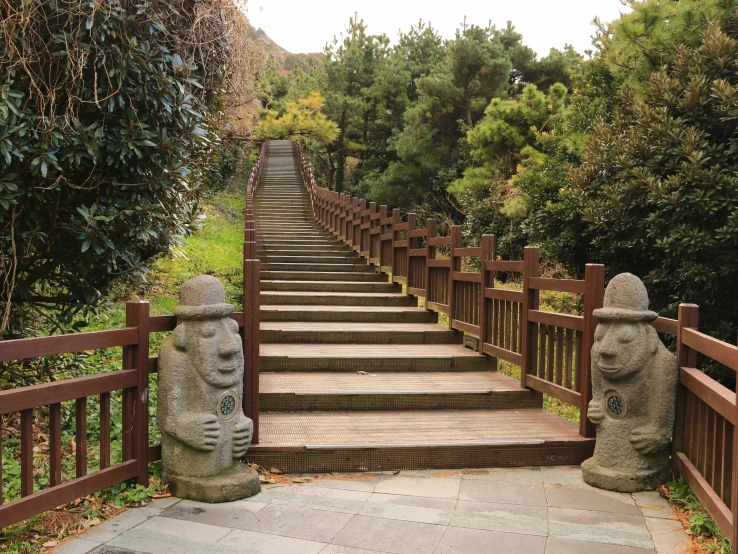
(626, 299)
(202, 297)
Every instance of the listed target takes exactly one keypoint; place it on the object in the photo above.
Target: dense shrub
(108, 115)
(658, 186)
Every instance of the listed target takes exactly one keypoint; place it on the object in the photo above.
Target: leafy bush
(108, 113)
(657, 186)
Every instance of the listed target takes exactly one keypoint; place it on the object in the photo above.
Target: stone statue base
(238, 482)
(612, 480)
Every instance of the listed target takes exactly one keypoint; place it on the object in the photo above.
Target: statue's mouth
(608, 368)
(228, 368)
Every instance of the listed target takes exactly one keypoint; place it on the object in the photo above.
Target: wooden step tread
(393, 383)
(349, 327)
(350, 309)
(367, 351)
(402, 429)
(334, 294)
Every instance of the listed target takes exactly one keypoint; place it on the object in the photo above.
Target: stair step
(329, 332)
(285, 252)
(329, 276)
(347, 261)
(304, 249)
(336, 298)
(283, 392)
(372, 357)
(306, 442)
(317, 267)
(327, 286)
(377, 314)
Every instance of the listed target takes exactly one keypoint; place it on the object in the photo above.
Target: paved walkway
(527, 510)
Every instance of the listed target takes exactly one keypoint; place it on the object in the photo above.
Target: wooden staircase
(356, 377)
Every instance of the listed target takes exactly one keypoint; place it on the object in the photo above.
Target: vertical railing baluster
(26, 438)
(104, 430)
(81, 436)
(55, 445)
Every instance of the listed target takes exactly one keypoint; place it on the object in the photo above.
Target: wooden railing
(251, 302)
(705, 447)
(552, 349)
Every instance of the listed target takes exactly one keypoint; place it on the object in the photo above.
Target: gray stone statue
(634, 383)
(203, 427)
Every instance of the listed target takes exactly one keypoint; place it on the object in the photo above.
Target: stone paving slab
(508, 510)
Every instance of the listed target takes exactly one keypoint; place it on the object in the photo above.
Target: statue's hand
(647, 440)
(596, 412)
(200, 431)
(242, 432)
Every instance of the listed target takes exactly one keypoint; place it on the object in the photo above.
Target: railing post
(395, 223)
(430, 253)
(372, 212)
(531, 268)
(251, 337)
(412, 223)
(455, 234)
(137, 359)
(487, 281)
(594, 294)
(734, 483)
(688, 318)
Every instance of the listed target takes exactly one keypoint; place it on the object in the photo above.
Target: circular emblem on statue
(615, 405)
(227, 405)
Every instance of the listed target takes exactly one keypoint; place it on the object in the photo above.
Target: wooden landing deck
(397, 440)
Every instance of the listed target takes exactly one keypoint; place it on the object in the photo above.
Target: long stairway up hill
(356, 377)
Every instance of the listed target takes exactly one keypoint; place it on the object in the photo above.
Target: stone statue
(634, 383)
(203, 427)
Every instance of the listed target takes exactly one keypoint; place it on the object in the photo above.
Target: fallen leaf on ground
(275, 470)
(361, 373)
(49, 544)
(267, 480)
(301, 480)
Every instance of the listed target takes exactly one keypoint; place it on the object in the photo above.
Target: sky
(306, 25)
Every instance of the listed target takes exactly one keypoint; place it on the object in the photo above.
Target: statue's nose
(229, 346)
(606, 353)
(607, 349)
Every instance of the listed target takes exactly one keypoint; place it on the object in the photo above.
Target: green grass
(216, 249)
(700, 525)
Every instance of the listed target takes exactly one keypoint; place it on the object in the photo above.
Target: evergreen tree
(657, 186)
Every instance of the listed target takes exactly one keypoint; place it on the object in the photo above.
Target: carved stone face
(622, 348)
(214, 349)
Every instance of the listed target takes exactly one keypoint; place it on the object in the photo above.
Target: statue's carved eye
(627, 334)
(208, 331)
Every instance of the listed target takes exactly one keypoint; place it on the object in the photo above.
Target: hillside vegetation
(624, 155)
